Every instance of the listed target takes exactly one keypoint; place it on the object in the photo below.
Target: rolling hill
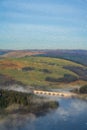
(41, 72)
(78, 56)
(19, 53)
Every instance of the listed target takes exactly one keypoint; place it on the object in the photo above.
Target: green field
(42, 72)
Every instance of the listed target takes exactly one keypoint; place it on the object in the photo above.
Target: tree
(83, 89)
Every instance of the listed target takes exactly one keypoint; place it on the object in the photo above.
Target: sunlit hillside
(41, 72)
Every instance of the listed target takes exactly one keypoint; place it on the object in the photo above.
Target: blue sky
(43, 24)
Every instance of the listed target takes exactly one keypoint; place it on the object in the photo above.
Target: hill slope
(19, 53)
(78, 56)
(41, 72)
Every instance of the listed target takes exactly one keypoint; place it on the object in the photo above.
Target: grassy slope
(13, 68)
(78, 56)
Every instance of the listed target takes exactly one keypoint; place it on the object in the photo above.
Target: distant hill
(2, 52)
(19, 53)
(78, 56)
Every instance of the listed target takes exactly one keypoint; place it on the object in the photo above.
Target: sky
(43, 24)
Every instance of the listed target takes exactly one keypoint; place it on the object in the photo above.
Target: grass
(13, 68)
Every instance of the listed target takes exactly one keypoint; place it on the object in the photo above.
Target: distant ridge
(19, 53)
(78, 56)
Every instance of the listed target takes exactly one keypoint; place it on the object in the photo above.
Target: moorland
(41, 69)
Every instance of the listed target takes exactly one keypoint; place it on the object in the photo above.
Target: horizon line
(40, 49)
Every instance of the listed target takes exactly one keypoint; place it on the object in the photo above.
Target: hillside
(41, 72)
(78, 56)
(3, 52)
(19, 53)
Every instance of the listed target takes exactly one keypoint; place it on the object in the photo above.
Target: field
(41, 72)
